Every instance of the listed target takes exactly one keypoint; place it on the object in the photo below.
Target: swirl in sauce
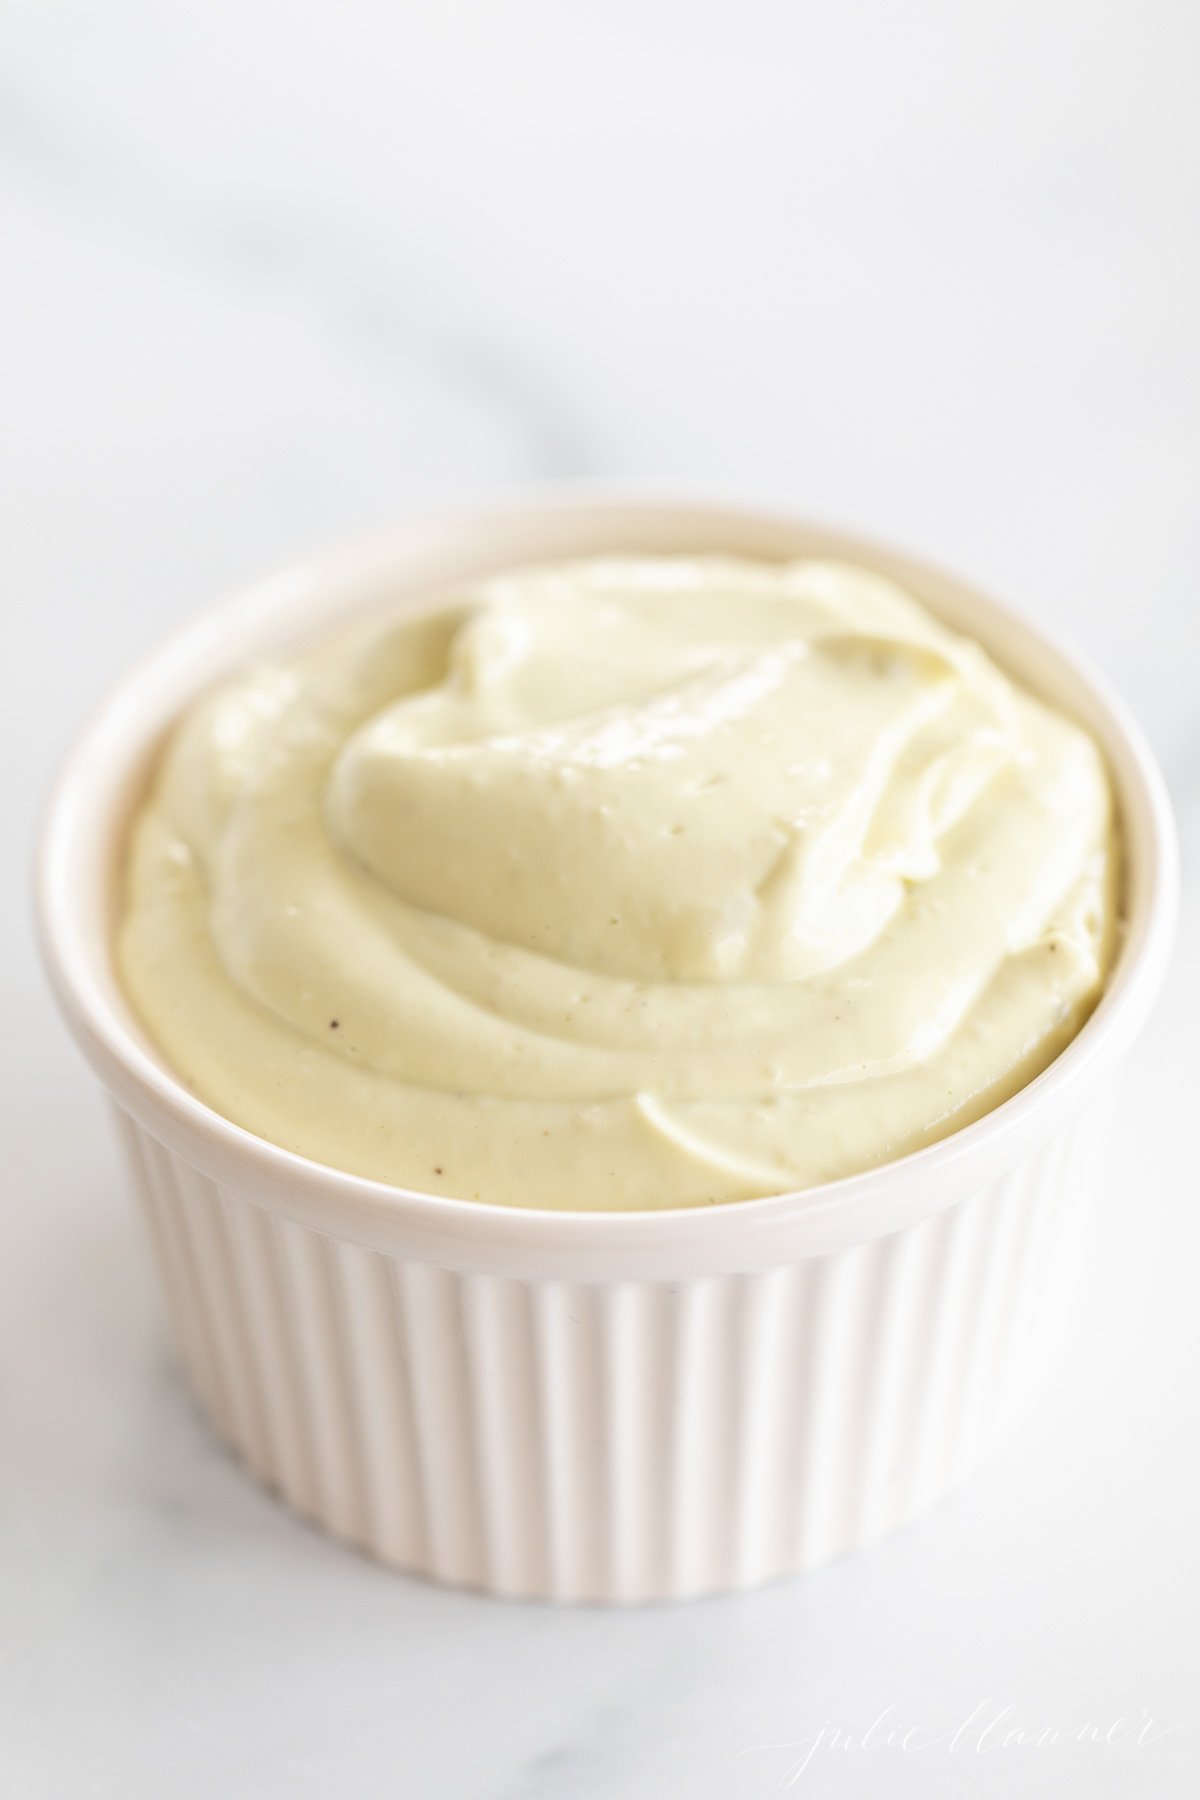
(637, 882)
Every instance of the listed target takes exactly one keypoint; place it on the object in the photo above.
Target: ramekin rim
(113, 1050)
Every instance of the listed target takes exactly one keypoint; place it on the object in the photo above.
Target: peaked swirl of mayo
(637, 882)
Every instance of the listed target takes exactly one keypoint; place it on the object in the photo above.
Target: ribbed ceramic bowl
(575, 1406)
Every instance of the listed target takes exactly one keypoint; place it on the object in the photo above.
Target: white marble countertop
(273, 273)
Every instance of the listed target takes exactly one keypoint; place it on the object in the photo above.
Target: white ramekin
(574, 1406)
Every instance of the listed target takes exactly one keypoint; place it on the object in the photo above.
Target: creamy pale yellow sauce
(637, 882)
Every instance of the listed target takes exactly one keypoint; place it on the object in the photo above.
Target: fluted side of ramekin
(622, 1440)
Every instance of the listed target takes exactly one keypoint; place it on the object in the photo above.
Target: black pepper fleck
(333, 1024)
